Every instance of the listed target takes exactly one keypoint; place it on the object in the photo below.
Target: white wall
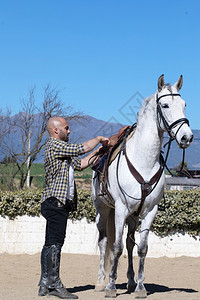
(26, 235)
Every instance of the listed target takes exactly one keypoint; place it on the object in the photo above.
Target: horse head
(171, 112)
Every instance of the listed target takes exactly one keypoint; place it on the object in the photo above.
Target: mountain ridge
(88, 127)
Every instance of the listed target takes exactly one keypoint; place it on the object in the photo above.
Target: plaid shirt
(58, 157)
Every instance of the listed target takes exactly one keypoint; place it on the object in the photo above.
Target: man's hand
(91, 144)
(103, 139)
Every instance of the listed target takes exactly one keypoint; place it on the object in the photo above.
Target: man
(58, 199)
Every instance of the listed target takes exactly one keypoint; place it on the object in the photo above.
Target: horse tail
(110, 231)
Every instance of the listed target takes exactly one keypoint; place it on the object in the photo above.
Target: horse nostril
(184, 138)
(191, 139)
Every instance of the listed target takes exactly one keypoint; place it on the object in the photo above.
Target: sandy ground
(165, 278)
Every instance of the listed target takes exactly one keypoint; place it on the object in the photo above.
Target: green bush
(13, 204)
(19, 203)
(85, 209)
(180, 211)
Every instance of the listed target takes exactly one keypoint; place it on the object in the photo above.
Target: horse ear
(161, 82)
(179, 83)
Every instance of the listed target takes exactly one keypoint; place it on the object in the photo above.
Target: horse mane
(148, 99)
(168, 86)
(143, 107)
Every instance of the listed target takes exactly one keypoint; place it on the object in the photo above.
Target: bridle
(147, 186)
(168, 127)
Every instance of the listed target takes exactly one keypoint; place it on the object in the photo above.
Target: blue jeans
(56, 221)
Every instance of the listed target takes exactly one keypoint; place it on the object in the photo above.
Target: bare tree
(6, 125)
(27, 130)
(5, 129)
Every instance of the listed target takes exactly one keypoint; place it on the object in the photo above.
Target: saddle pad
(117, 149)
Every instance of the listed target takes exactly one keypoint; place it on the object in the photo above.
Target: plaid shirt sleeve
(64, 150)
(76, 164)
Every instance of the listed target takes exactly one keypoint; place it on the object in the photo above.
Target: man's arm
(91, 144)
(88, 160)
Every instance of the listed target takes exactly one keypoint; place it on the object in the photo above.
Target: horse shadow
(157, 288)
(150, 287)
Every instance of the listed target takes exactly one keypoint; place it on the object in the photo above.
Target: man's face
(63, 131)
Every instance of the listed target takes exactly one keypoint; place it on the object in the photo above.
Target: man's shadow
(81, 288)
(150, 287)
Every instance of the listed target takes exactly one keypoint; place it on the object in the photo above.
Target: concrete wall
(26, 235)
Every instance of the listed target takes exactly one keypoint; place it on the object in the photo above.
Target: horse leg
(130, 243)
(110, 290)
(140, 291)
(101, 221)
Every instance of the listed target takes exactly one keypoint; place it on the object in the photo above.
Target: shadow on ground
(151, 289)
(157, 288)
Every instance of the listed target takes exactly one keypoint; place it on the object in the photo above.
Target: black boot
(43, 284)
(56, 287)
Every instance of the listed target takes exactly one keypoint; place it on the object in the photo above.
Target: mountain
(89, 127)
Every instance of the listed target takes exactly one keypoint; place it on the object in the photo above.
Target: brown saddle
(114, 139)
(108, 153)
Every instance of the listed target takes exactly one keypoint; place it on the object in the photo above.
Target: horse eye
(165, 105)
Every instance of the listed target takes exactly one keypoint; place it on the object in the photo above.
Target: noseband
(168, 127)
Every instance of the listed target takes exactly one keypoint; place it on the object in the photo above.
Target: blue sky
(100, 54)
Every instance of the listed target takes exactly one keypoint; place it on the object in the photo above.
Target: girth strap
(146, 186)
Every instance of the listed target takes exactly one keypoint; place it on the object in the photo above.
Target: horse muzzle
(185, 141)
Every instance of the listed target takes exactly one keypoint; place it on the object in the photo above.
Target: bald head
(58, 128)
(54, 123)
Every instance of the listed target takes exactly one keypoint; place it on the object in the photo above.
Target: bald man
(61, 159)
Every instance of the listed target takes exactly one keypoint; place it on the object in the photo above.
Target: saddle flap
(103, 162)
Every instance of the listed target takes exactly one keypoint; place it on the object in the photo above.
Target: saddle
(108, 154)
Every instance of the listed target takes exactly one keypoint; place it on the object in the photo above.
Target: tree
(27, 131)
(6, 125)
(7, 160)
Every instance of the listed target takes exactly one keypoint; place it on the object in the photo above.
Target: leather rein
(147, 186)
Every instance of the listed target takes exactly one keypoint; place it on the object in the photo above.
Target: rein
(146, 186)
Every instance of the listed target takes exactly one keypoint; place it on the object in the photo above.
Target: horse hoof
(140, 294)
(131, 287)
(110, 293)
(99, 287)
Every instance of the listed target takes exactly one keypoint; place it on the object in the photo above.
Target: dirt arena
(165, 278)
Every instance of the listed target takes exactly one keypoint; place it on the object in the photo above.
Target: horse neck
(145, 145)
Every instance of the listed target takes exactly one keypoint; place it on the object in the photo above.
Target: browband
(158, 98)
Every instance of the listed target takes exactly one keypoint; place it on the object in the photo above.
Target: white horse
(136, 184)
